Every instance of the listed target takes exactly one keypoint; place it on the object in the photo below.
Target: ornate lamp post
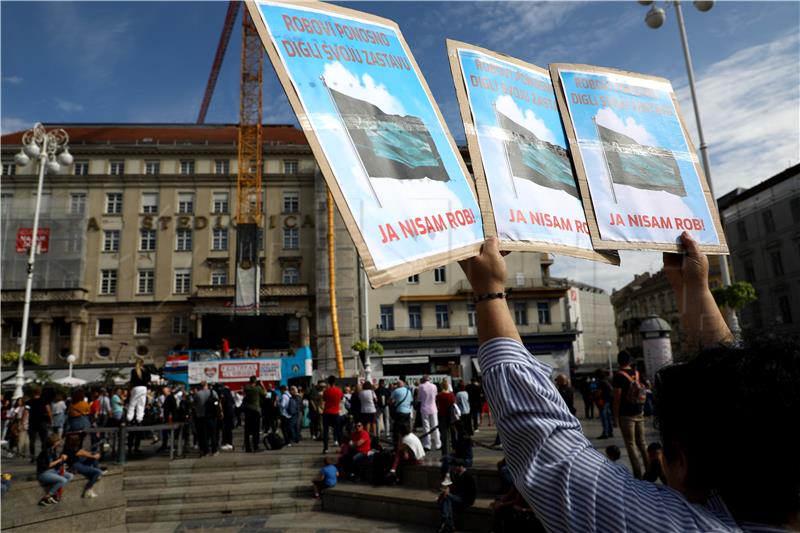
(655, 18)
(42, 145)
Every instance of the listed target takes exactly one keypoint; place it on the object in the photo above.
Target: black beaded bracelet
(489, 296)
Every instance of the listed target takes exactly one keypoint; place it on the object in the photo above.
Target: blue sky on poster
(149, 61)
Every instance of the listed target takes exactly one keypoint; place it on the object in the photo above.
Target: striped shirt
(570, 485)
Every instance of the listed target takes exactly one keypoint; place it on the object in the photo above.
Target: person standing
(117, 407)
(566, 392)
(628, 408)
(228, 418)
(368, 404)
(315, 408)
(332, 399)
(462, 400)
(140, 378)
(285, 403)
(58, 409)
(426, 395)
(78, 413)
(401, 401)
(603, 398)
(40, 418)
(445, 407)
(206, 403)
(475, 402)
(169, 413)
(383, 408)
(296, 411)
(254, 393)
(238, 401)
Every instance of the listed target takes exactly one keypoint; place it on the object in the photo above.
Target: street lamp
(71, 358)
(42, 145)
(655, 18)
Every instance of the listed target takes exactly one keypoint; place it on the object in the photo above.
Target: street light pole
(655, 19)
(42, 145)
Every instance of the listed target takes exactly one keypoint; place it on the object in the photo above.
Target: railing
(45, 295)
(267, 291)
(465, 331)
(118, 436)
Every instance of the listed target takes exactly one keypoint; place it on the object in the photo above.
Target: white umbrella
(71, 381)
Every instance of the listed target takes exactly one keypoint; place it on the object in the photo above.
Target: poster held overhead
(528, 194)
(393, 169)
(638, 173)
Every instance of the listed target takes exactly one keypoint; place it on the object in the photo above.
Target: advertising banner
(25, 236)
(394, 170)
(223, 371)
(638, 173)
(519, 154)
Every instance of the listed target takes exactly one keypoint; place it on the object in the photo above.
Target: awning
(405, 360)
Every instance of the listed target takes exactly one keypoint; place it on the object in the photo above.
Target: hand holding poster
(523, 173)
(638, 173)
(378, 136)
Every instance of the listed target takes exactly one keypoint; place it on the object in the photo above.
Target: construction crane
(249, 206)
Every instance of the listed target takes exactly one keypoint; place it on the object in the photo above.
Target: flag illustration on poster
(640, 166)
(389, 146)
(531, 158)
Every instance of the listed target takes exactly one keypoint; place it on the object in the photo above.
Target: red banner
(24, 240)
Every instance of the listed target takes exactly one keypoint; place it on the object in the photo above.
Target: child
(327, 477)
(613, 453)
(47, 471)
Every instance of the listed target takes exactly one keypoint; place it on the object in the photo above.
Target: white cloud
(750, 107)
(529, 120)
(605, 276)
(68, 107)
(14, 124)
(607, 118)
(12, 80)
(341, 79)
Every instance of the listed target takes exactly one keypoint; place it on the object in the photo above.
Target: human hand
(687, 272)
(486, 271)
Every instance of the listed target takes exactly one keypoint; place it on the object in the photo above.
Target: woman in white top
(368, 400)
(59, 410)
(462, 401)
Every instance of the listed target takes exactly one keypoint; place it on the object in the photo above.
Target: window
(108, 282)
(219, 203)
(784, 309)
(183, 240)
(749, 270)
(183, 281)
(9, 168)
(794, 205)
(105, 326)
(111, 240)
(413, 280)
(185, 203)
(150, 203)
(142, 325)
(291, 276)
(543, 310)
(116, 168)
(442, 316)
(439, 275)
(219, 239)
(521, 313)
(44, 207)
(81, 168)
(187, 167)
(152, 168)
(77, 203)
(415, 317)
(290, 166)
(146, 281)
(777, 262)
(219, 277)
(387, 317)
(113, 203)
(180, 325)
(741, 229)
(769, 222)
(222, 166)
(147, 240)
(6, 201)
(291, 201)
(291, 238)
(471, 315)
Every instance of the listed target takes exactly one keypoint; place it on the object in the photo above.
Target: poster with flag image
(638, 173)
(393, 169)
(523, 173)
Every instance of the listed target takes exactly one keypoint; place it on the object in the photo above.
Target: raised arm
(701, 320)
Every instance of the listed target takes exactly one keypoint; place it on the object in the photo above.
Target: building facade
(591, 309)
(763, 228)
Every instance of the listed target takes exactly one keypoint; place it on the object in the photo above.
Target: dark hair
(252, 379)
(331, 380)
(716, 409)
(654, 447)
(613, 453)
(623, 358)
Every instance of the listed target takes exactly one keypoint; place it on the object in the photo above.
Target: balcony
(46, 295)
(522, 284)
(267, 291)
(466, 331)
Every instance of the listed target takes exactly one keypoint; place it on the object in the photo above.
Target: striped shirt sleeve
(570, 485)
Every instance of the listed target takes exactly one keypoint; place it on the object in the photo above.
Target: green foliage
(31, 358)
(43, 376)
(373, 347)
(736, 296)
(110, 374)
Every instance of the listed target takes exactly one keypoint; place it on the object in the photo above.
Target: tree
(31, 358)
(362, 348)
(43, 376)
(110, 374)
(735, 296)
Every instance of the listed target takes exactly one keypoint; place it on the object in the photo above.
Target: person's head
(293, 390)
(425, 378)
(445, 386)
(204, 384)
(167, 391)
(359, 426)
(53, 440)
(457, 466)
(613, 453)
(725, 423)
(402, 378)
(282, 388)
(461, 386)
(252, 380)
(329, 460)
(331, 380)
(600, 373)
(36, 391)
(73, 441)
(561, 380)
(654, 451)
(474, 380)
(367, 385)
(623, 358)
(78, 395)
(347, 389)
(381, 383)
(139, 363)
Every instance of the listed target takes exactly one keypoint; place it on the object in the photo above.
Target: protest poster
(378, 136)
(638, 172)
(527, 191)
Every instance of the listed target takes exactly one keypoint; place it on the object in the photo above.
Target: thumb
(491, 246)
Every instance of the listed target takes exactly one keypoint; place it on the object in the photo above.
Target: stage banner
(377, 134)
(638, 172)
(239, 371)
(523, 174)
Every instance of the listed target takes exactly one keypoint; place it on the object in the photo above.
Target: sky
(149, 62)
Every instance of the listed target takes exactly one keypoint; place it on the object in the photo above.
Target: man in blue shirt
(401, 403)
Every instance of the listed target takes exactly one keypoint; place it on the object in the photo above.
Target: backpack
(637, 392)
(213, 409)
(273, 441)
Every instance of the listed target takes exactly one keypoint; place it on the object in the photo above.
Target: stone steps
(402, 503)
(428, 477)
(231, 476)
(267, 488)
(214, 508)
